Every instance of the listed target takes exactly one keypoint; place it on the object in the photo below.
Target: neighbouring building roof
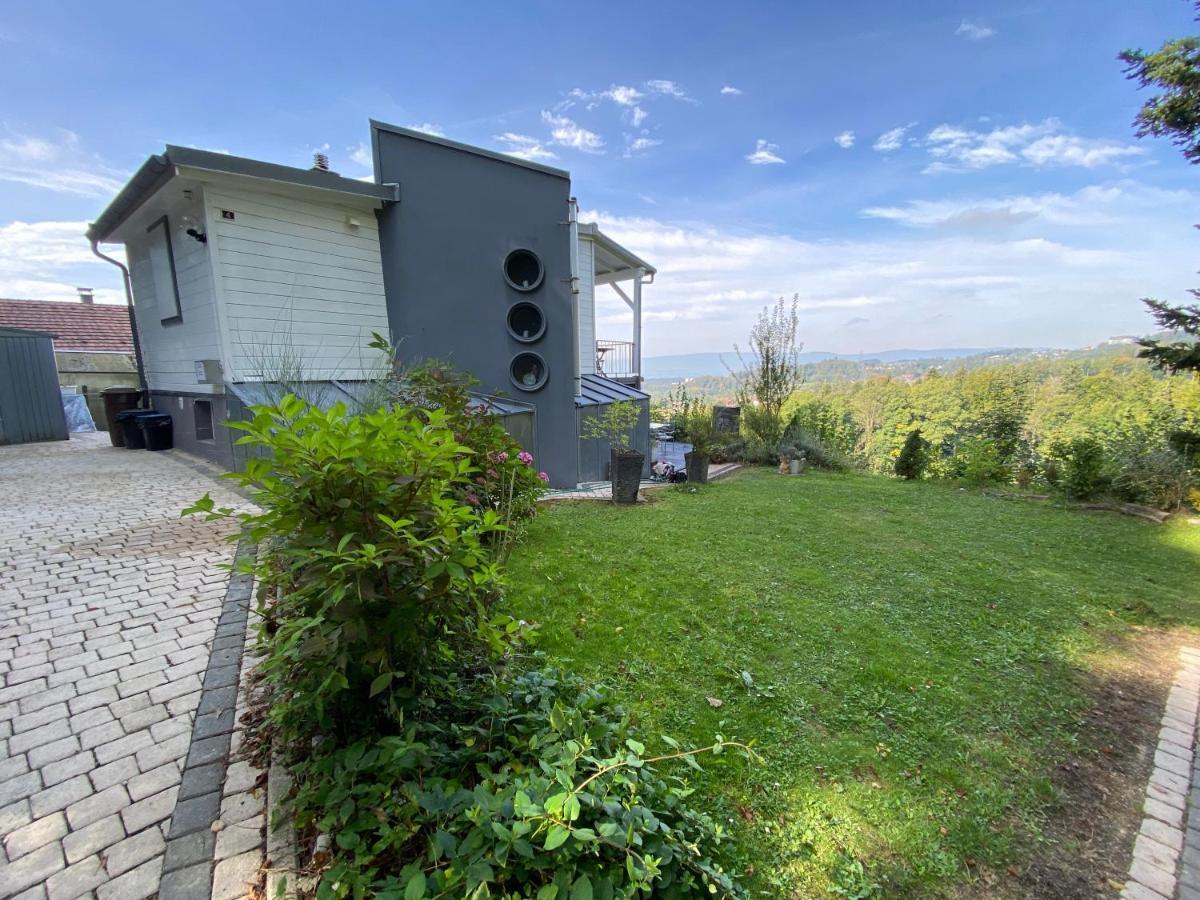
(75, 326)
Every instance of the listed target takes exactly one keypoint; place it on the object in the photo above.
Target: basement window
(162, 267)
(523, 270)
(528, 371)
(526, 322)
(202, 419)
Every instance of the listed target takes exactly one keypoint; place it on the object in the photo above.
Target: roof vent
(320, 162)
(86, 296)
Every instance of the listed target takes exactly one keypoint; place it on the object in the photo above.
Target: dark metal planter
(626, 475)
(697, 467)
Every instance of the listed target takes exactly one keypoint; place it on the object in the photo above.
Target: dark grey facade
(189, 420)
(31, 407)
(461, 212)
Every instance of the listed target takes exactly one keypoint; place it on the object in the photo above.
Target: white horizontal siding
(170, 352)
(297, 282)
(587, 308)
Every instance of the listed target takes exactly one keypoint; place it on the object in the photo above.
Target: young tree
(913, 458)
(1174, 113)
(771, 369)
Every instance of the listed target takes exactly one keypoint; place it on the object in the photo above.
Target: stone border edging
(1155, 873)
(191, 843)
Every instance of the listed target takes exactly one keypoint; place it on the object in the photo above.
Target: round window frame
(512, 332)
(541, 276)
(529, 388)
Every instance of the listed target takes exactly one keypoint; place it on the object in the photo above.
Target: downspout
(143, 385)
(573, 222)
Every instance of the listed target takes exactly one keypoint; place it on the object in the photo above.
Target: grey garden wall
(444, 243)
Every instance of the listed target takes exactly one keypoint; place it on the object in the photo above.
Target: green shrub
(977, 460)
(535, 789)
(914, 456)
(1157, 477)
(1080, 469)
(372, 568)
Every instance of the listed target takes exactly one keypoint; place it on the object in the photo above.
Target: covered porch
(625, 273)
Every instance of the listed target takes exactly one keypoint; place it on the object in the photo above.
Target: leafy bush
(692, 420)
(914, 456)
(977, 460)
(1157, 477)
(372, 567)
(1079, 468)
(535, 789)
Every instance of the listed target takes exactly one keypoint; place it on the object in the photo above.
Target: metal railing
(614, 359)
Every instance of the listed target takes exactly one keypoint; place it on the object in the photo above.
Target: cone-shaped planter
(697, 467)
(626, 475)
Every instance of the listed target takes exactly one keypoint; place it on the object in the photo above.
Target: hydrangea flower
(472, 499)
(526, 457)
(501, 456)
(543, 476)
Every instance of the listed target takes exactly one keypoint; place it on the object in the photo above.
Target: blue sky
(933, 174)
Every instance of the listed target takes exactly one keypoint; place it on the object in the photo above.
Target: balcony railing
(614, 359)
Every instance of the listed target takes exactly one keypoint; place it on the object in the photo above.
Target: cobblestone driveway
(109, 604)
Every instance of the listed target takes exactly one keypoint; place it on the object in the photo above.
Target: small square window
(202, 417)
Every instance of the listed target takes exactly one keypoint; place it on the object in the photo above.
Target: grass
(914, 654)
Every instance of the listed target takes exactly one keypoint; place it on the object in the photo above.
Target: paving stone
(19, 787)
(1163, 833)
(93, 838)
(33, 869)
(241, 776)
(149, 811)
(200, 780)
(232, 877)
(77, 764)
(1153, 877)
(1135, 891)
(191, 883)
(117, 772)
(208, 750)
(191, 848)
(14, 816)
(240, 837)
(60, 796)
(35, 835)
(136, 884)
(133, 851)
(98, 806)
(1164, 812)
(39, 757)
(76, 880)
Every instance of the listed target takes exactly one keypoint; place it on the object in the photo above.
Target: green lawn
(916, 653)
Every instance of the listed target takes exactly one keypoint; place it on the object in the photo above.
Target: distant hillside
(693, 365)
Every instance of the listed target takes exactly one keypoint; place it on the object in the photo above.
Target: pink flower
(472, 499)
(501, 457)
(481, 480)
(543, 476)
(526, 457)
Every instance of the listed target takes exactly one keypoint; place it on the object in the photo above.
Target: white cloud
(566, 133)
(1038, 144)
(57, 164)
(428, 128)
(47, 260)
(635, 146)
(730, 90)
(972, 31)
(666, 88)
(1048, 284)
(892, 139)
(1096, 206)
(623, 95)
(845, 140)
(523, 146)
(638, 116)
(361, 155)
(765, 154)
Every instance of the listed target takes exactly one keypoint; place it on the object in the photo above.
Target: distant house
(246, 274)
(93, 343)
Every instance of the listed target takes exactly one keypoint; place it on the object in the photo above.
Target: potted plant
(791, 460)
(696, 421)
(616, 426)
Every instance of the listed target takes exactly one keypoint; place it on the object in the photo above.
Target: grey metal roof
(160, 168)
(465, 148)
(595, 390)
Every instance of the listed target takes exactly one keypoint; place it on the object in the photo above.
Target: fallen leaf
(715, 703)
(1014, 872)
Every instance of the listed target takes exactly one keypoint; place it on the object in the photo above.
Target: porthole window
(523, 270)
(526, 322)
(528, 371)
